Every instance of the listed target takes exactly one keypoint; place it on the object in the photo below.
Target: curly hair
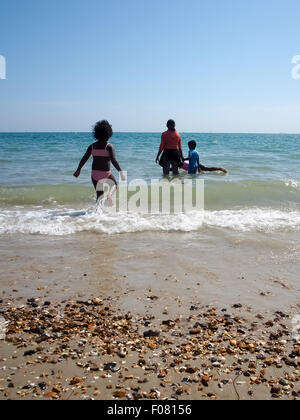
(103, 130)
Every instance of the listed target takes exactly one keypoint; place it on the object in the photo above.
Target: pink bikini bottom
(186, 165)
(101, 175)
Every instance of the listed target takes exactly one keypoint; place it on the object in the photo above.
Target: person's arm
(115, 162)
(188, 158)
(181, 155)
(158, 156)
(161, 148)
(180, 149)
(83, 161)
(203, 168)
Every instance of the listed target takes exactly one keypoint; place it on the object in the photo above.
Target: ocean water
(38, 194)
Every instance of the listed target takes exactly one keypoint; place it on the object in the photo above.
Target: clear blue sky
(217, 65)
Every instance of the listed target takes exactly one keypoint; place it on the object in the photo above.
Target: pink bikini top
(100, 152)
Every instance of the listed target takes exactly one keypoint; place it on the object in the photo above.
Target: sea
(40, 196)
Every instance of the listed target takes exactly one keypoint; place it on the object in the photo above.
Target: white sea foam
(43, 222)
(264, 220)
(294, 183)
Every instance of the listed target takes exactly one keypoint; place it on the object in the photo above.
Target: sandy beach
(160, 316)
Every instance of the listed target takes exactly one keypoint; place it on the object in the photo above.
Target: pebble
(113, 367)
(216, 364)
(42, 386)
(283, 382)
(151, 333)
(203, 341)
(122, 353)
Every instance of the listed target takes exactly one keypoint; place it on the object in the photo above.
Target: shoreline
(214, 267)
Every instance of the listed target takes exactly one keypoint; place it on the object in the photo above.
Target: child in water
(193, 165)
(103, 155)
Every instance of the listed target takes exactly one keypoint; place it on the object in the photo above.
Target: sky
(213, 66)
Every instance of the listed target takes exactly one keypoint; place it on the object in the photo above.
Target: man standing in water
(171, 148)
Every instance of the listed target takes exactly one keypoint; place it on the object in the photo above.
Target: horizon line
(149, 132)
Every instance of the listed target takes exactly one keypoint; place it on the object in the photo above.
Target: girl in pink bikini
(103, 154)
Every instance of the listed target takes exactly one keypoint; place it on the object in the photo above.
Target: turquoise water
(35, 159)
(261, 191)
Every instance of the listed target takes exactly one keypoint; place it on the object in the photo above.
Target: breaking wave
(65, 221)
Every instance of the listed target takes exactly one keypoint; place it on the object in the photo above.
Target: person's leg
(112, 180)
(112, 183)
(175, 168)
(167, 168)
(99, 192)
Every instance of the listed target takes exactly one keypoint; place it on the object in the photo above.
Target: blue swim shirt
(194, 159)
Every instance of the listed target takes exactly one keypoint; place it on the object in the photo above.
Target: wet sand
(154, 278)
